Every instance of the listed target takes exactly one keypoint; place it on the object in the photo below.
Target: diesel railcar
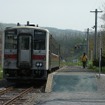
(29, 53)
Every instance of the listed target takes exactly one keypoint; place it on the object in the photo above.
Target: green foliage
(94, 68)
(97, 69)
(71, 63)
(103, 69)
(91, 67)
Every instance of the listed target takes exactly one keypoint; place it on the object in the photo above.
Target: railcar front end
(26, 54)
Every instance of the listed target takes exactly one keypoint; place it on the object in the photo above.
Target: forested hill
(67, 39)
(71, 41)
(4, 25)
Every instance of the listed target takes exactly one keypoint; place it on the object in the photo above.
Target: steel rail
(6, 90)
(17, 97)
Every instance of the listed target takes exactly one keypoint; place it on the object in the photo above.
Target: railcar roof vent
(28, 24)
(32, 25)
(18, 24)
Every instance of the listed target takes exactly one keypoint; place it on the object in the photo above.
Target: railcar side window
(10, 40)
(39, 40)
(54, 47)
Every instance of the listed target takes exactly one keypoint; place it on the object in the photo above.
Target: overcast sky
(62, 14)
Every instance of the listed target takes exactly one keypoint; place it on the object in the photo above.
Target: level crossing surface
(75, 86)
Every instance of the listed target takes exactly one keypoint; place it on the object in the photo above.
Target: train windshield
(24, 40)
(10, 39)
(39, 40)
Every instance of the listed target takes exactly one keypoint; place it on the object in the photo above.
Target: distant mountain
(67, 30)
(4, 25)
(64, 32)
(52, 29)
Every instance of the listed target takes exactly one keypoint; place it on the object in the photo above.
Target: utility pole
(95, 37)
(88, 42)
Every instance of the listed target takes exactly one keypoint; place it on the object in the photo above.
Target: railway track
(13, 96)
(4, 90)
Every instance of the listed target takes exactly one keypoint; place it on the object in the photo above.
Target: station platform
(69, 75)
(75, 86)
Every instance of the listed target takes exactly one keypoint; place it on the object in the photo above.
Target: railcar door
(24, 51)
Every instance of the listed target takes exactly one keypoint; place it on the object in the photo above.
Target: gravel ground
(36, 98)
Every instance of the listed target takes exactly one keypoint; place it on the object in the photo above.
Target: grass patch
(102, 71)
(71, 64)
(94, 68)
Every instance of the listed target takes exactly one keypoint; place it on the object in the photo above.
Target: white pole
(100, 56)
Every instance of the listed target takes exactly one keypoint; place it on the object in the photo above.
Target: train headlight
(39, 64)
